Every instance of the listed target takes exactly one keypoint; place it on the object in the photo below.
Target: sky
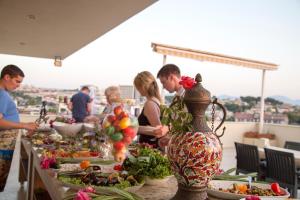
(265, 30)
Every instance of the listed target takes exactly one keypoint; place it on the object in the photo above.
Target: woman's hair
(146, 82)
(113, 94)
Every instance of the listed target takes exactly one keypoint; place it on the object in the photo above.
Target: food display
(147, 162)
(97, 178)
(238, 190)
(121, 128)
(62, 153)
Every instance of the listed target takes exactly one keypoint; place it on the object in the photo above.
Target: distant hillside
(285, 99)
(224, 96)
(281, 98)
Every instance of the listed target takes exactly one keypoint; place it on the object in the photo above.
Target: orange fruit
(85, 164)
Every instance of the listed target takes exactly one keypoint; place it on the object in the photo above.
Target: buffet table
(43, 185)
(44, 180)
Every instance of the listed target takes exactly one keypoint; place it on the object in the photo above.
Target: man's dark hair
(167, 70)
(12, 71)
(85, 88)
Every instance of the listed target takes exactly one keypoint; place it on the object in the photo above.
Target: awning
(211, 57)
(219, 58)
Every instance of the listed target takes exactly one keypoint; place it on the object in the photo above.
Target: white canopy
(219, 58)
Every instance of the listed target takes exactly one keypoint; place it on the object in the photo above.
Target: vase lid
(197, 93)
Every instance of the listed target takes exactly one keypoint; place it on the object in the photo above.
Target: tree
(233, 107)
(274, 102)
(294, 118)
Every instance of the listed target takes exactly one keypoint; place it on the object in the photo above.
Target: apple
(123, 115)
(119, 156)
(129, 132)
(119, 146)
(106, 124)
(116, 136)
(111, 118)
(127, 140)
(110, 130)
(124, 123)
(118, 110)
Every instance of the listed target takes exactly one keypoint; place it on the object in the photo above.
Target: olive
(114, 180)
(85, 179)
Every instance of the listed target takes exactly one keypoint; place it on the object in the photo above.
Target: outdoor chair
(281, 168)
(292, 145)
(247, 160)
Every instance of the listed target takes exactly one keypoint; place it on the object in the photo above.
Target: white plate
(44, 128)
(216, 184)
(88, 127)
(263, 198)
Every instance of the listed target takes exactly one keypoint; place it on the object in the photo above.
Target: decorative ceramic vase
(195, 156)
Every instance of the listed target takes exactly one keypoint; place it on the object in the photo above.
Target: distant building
(276, 118)
(273, 118)
(129, 92)
(244, 117)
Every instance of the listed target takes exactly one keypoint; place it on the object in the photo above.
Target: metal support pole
(162, 89)
(262, 103)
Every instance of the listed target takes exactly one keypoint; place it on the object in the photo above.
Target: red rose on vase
(187, 82)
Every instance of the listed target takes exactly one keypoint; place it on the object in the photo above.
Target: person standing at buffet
(147, 86)
(169, 76)
(11, 78)
(113, 98)
(80, 104)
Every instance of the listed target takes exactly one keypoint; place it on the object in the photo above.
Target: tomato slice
(276, 188)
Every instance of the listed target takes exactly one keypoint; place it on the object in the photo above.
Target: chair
(281, 168)
(248, 161)
(292, 145)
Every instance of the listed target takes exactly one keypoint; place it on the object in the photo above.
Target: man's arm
(5, 124)
(89, 107)
(70, 105)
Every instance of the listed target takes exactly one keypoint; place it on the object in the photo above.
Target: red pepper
(276, 188)
(118, 167)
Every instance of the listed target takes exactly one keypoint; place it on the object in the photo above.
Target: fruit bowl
(67, 130)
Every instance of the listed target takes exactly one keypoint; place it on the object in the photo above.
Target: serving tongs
(43, 114)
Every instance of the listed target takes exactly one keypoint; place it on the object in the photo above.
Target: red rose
(187, 82)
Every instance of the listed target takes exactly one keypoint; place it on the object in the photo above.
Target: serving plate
(262, 198)
(213, 190)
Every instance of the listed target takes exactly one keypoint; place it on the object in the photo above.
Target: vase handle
(215, 101)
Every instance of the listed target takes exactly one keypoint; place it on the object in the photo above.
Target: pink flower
(187, 82)
(89, 189)
(81, 195)
(45, 163)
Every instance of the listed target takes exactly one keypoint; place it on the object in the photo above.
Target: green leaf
(230, 171)
(122, 193)
(105, 198)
